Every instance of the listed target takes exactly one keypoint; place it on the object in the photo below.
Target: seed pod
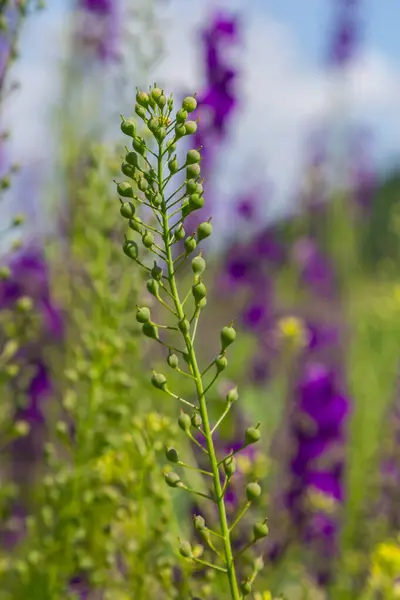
(221, 363)
(189, 104)
(148, 240)
(199, 189)
(204, 230)
(190, 244)
(193, 170)
(160, 134)
(196, 201)
(253, 491)
(158, 380)
(143, 99)
(143, 184)
(185, 550)
(184, 325)
(260, 530)
(179, 232)
(139, 145)
(157, 200)
(128, 127)
(127, 210)
(173, 361)
(180, 131)
(202, 303)
(186, 209)
(191, 127)
(181, 115)
(156, 93)
(199, 291)
(128, 170)
(245, 588)
(131, 249)
(252, 435)
(153, 124)
(196, 420)
(173, 165)
(125, 189)
(191, 186)
(232, 396)
(198, 265)
(152, 287)
(132, 159)
(140, 111)
(229, 466)
(184, 422)
(199, 523)
(171, 454)
(150, 330)
(156, 272)
(136, 224)
(161, 101)
(143, 314)
(228, 336)
(193, 157)
(172, 479)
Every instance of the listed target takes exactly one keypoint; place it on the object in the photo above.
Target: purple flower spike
(100, 27)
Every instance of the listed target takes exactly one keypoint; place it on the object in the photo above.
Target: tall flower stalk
(146, 168)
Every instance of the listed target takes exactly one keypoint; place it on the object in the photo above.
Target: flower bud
(252, 435)
(184, 325)
(143, 314)
(228, 336)
(229, 466)
(190, 244)
(156, 93)
(139, 145)
(160, 134)
(221, 363)
(198, 265)
(136, 224)
(196, 420)
(153, 124)
(189, 104)
(186, 208)
(180, 131)
(143, 99)
(185, 550)
(131, 249)
(253, 491)
(128, 170)
(199, 291)
(173, 165)
(132, 159)
(232, 396)
(192, 157)
(156, 272)
(260, 530)
(171, 454)
(191, 127)
(181, 115)
(245, 588)
(125, 189)
(199, 523)
(150, 330)
(143, 184)
(184, 422)
(193, 170)
(172, 479)
(24, 304)
(5, 273)
(21, 428)
(199, 189)
(128, 127)
(204, 230)
(158, 380)
(148, 240)
(140, 111)
(157, 200)
(127, 210)
(179, 232)
(191, 186)
(152, 287)
(196, 201)
(173, 361)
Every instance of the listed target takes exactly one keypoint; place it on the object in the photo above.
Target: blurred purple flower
(346, 33)
(315, 268)
(99, 27)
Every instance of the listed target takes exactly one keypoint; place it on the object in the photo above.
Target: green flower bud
(173, 165)
(157, 200)
(172, 479)
(180, 131)
(152, 287)
(232, 396)
(253, 491)
(192, 157)
(184, 325)
(131, 249)
(128, 170)
(5, 273)
(260, 530)
(132, 159)
(196, 420)
(229, 466)
(143, 99)
(199, 291)
(185, 550)
(161, 101)
(191, 186)
(184, 422)
(128, 127)
(140, 111)
(139, 145)
(158, 380)
(221, 363)
(125, 189)
(153, 124)
(148, 239)
(143, 314)
(252, 435)
(150, 330)
(171, 454)
(173, 361)
(228, 336)
(204, 230)
(21, 428)
(199, 523)
(245, 588)
(198, 265)
(127, 210)
(196, 201)
(160, 134)
(179, 232)
(136, 224)
(190, 244)
(186, 208)
(181, 115)
(156, 93)
(191, 127)
(24, 304)
(143, 184)
(156, 272)
(193, 170)
(189, 104)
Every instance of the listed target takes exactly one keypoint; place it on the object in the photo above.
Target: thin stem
(182, 464)
(240, 515)
(211, 566)
(222, 417)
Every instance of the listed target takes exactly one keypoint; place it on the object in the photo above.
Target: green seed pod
(190, 244)
(22, 428)
(156, 272)
(131, 249)
(180, 131)
(140, 111)
(143, 314)
(148, 240)
(193, 170)
(221, 363)
(162, 101)
(179, 232)
(128, 127)
(228, 336)
(158, 380)
(160, 134)
(153, 124)
(156, 93)
(198, 265)
(143, 99)
(232, 396)
(186, 209)
(185, 550)
(171, 454)
(252, 435)
(260, 530)
(125, 189)
(150, 330)
(199, 523)
(152, 287)
(184, 422)
(196, 420)
(157, 200)
(191, 186)
(143, 184)
(136, 224)
(189, 104)
(253, 491)
(139, 145)
(184, 325)
(132, 159)
(128, 170)
(191, 127)
(193, 157)
(181, 115)
(173, 361)
(199, 189)
(245, 588)
(5, 273)
(172, 479)
(229, 466)
(204, 230)
(127, 210)
(173, 165)
(196, 201)
(199, 291)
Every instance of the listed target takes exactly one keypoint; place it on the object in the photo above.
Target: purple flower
(346, 33)
(315, 269)
(99, 27)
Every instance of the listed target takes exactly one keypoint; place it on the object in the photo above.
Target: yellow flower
(263, 596)
(293, 331)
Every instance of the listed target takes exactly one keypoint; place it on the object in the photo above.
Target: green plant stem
(230, 566)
